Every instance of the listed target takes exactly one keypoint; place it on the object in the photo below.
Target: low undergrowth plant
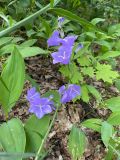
(85, 54)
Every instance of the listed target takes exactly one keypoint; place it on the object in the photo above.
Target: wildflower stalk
(46, 135)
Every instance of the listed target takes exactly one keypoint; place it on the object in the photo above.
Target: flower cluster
(39, 105)
(65, 47)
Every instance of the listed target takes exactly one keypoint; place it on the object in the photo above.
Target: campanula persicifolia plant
(85, 53)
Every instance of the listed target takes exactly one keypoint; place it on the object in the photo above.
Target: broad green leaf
(5, 40)
(93, 123)
(94, 92)
(110, 54)
(13, 76)
(113, 104)
(32, 51)
(76, 143)
(97, 20)
(73, 17)
(7, 49)
(35, 130)
(28, 43)
(106, 132)
(105, 72)
(9, 133)
(84, 93)
(114, 118)
(88, 71)
(4, 93)
(15, 156)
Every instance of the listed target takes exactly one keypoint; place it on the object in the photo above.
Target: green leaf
(31, 51)
(9, 133)
(76, 143)
(13, 76)
(93, 123)
(97, 20)
(117, 84)
(35, 130)
(4, 93)
(106, 132)
(94, 92)
(104, 72)
(88, 71)
(113, 104)
(51, 3)
(84, 92)
(83, 61)
(5, 40)
(114, 118)
(15, 156)
(109, 54)
(28, 43)
(75, 18)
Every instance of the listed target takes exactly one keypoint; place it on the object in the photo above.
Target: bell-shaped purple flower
(79, 47)
(55, 39)
(62, 56)
(39, 105)
(60, 21)
(69, 93)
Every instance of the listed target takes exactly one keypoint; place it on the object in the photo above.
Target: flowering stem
(45, 137)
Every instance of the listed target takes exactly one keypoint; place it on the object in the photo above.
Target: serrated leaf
(13, 76)
(113, 104)
(65, 70)
(114, 118)
(9, 136)
(106, 132)
(88, 71)
(35, 129)
(105, 72)
(94, 92)
(93, 123)
(76, 143)
(84, 92)
(77, 77)
(83, 61)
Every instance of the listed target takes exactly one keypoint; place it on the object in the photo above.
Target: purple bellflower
(39, 105)
(60, 21)
(64, 52)
(55, 39)
(79, 47)
(69, 93)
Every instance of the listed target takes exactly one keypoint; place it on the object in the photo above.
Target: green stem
(45, 137)
(26, 20)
